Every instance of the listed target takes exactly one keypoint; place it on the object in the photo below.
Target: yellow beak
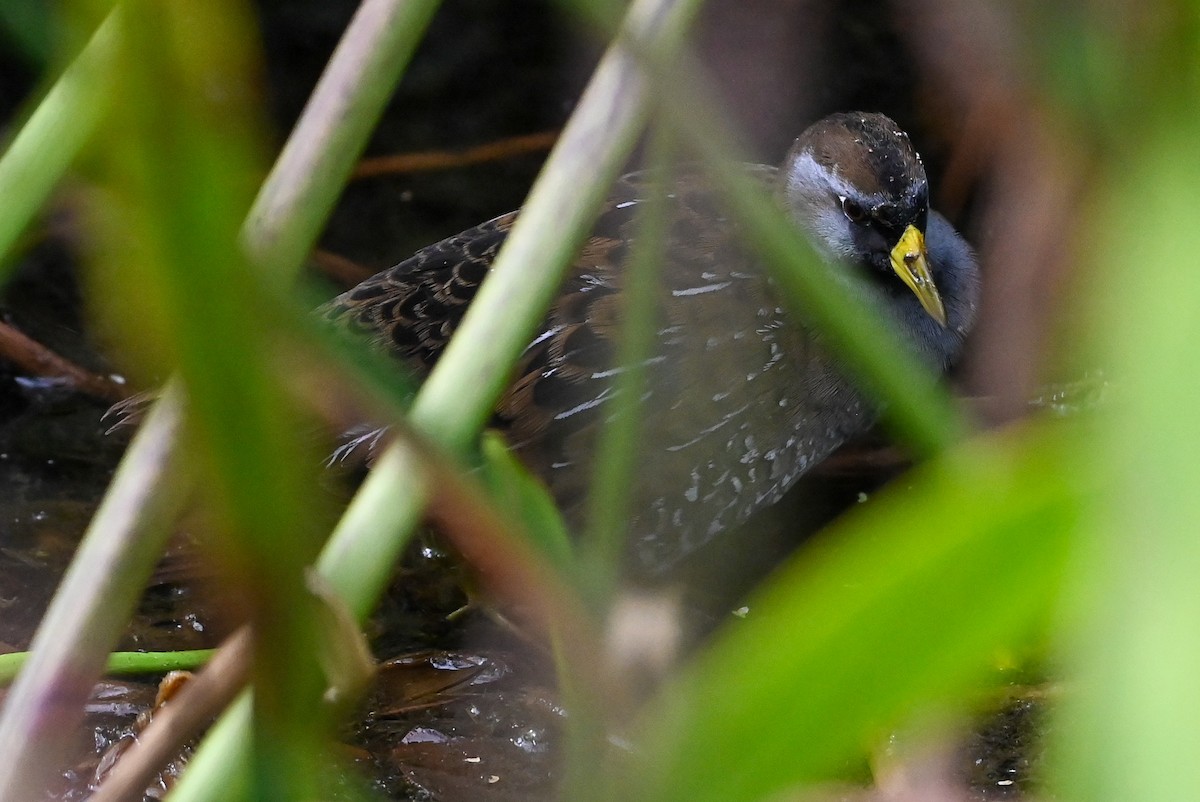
(910, 261)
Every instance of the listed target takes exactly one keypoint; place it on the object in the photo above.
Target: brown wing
(412, 309)
(739, 403)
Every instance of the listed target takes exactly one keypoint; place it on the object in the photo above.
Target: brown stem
(173, 725)
(445, 159)
(35, 358)
(341, 269)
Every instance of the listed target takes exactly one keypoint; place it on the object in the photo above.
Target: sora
(741, 400)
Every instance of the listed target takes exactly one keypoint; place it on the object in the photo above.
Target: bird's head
(857, 185)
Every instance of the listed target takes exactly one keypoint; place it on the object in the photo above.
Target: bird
(741, 399)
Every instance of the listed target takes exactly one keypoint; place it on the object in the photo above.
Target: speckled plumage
(740, 402)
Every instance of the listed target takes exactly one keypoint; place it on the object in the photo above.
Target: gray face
(855, 182)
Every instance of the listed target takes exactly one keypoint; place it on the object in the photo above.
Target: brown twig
(200, 700)
(427, 160)
(37, 359)
(341, 269)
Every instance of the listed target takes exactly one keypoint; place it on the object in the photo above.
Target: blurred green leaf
(525, 499)
(906, 601)
(179, 165)
(604, 542)
(36, 158)
(1132, 730)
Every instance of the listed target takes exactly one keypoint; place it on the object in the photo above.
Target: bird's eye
(853, 210)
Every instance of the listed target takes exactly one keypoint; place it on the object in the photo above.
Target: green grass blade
(304, 185)
(122, 545)
(608, 511)
(554, 222)
(46, 145)
(122, 662)
(179, 171)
